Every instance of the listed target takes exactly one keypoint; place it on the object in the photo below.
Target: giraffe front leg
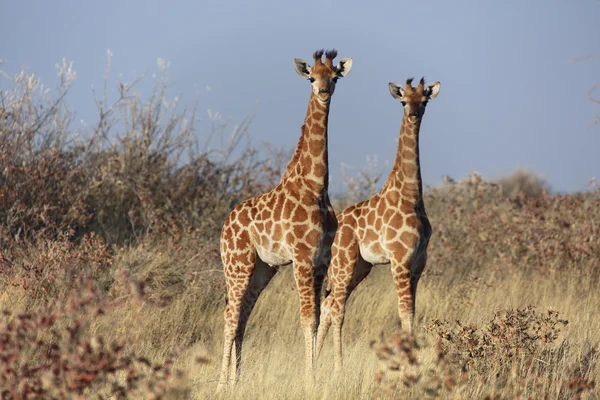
(401, 272)
(304, 274)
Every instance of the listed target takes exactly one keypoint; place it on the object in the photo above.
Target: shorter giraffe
(292, 223)
(391, 227)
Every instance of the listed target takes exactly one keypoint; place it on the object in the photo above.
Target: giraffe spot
(409, 142)
(287, 208)
(260, 227)
(361, 222)
(345, 235)
(393, 197)
(300, 215)
(265, 214)
(317, 130)
(302, 248)
(378, 224)
(289, 238)
(390, 233)
(269, 226)
(315, 218)
(308, 200)
(409, 168)
(388, 215)
(412, 221)
(319, 169)
(401, 284)
(278, 209)
(288, 186)
(381, 208)
(396, 221)
(264, 240)
(410, 190)
(371, 234)
(409, 239)
(318, 115)
(270, 202)
(313, 237)
(407, 208)
(277, 231)
(343, 258)
(371, 218)
(303, 269)
(316, 146)
(235, 229)
(243, 217)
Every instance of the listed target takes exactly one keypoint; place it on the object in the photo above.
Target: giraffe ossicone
(391, 227)
(294, 223)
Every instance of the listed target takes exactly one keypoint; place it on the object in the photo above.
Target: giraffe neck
(406, 174)
(310, 159)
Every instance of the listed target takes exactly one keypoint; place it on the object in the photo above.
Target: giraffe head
(413, 99)
(323, 76)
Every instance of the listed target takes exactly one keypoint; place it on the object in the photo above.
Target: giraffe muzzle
(324, 91)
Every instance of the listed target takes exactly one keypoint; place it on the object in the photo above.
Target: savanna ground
(112, 287)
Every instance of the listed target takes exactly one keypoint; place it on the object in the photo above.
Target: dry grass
(113, 285)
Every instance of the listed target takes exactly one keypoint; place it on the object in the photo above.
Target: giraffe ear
(433, 90)
(343, 67)
(396, 91)
(302, 68)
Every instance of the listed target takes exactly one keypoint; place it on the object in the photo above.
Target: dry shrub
(49, 353)
(515, 353)
(46, 269)
(145, 171)
(401, 372)
(476, 225)
(523, 182)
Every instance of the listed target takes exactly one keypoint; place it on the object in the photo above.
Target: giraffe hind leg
(263, 274)
(414, 278)
(333, 310)
(246, 277)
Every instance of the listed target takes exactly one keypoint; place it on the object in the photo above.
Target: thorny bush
(517, 347)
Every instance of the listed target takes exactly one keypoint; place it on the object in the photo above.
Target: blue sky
(509, 96)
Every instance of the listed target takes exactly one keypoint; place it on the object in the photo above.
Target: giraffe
(294, 223)
(391, 227)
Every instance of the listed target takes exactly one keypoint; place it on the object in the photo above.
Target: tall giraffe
(293, 223)
(391, 227)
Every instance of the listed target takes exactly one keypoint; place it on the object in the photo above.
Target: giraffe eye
(403, 103)
(335, 79)
(311, 79)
